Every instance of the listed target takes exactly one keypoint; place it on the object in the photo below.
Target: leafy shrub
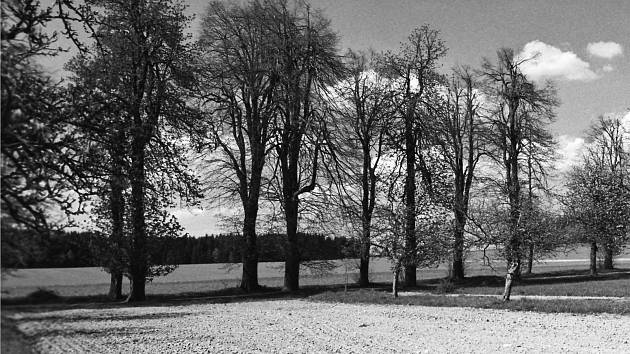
(445, 286)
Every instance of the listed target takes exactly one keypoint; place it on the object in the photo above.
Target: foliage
(600, 204)
(42, 172)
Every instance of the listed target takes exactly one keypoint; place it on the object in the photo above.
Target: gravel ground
(300, 326)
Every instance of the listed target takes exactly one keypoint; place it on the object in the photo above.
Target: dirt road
(300, 326)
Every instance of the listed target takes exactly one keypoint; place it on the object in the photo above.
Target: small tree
(432, 220)
(609, 150)
(599, 203)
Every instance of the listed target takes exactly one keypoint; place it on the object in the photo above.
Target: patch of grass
(373, 296)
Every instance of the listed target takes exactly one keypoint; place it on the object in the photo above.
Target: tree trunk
(249, 281)
(117, 210)
(292, 262)
(509, 279)
(608, 258)
(410, 197)
(115, 286)
(395, 281)
(364, 266)
(458, 247)
(138, 261)
(410, 216)
(593, 258)
(530, 260)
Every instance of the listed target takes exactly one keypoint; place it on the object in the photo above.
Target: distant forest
(81, 249)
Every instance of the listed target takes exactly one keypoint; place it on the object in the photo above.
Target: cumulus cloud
(608, 68)
(607, 50)
(549, 62)
(569, 152)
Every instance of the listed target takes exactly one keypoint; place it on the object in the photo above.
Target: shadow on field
(235, 295)
(54, 317)
(559, 277)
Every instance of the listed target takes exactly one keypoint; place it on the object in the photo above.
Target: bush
(445, 286)
(42, 295)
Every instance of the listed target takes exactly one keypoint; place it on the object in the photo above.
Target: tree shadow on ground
(236, 295)
(558, 277)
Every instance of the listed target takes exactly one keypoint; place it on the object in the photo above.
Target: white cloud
(549, 62)
(569, 152)
(626, 121)
(608, 68)
(607, 50)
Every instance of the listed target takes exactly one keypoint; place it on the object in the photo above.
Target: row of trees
(263, 111)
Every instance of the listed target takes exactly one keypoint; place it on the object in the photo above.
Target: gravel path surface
(299, 326)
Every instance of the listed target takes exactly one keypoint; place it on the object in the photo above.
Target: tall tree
(414, 69)
(307, 64)
(460, 136)
(366, 109)
(241, 89)
(143, 46)
(518, 103)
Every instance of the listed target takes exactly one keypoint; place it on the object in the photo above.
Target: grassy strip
(612, 288)
(375, 296)
(558, 283)
(614, 283)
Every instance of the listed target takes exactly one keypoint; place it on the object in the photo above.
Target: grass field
(207, 278)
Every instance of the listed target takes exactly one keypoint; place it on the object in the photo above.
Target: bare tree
(517, 103)
(366, 109)
(414, 68)
(241, 85)
(460, 135)
(307, 64)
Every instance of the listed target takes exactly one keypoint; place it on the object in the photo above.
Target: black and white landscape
(293, 176)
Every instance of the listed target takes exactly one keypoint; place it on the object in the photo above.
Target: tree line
(264, 113)
(23, 249)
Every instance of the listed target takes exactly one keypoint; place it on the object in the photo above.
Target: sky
(584, 46)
